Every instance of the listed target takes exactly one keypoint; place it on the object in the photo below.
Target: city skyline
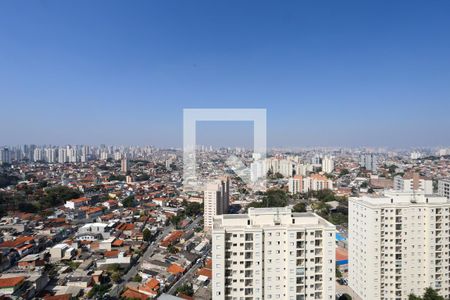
(346, 74)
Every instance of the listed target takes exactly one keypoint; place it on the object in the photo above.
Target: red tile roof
(175, 269)
(205, 272)
(112, 253)
(130, 294)
(17, 242)
(59, 297)
(11, 281)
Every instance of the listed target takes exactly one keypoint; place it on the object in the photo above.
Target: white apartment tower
(216, 200)
(327, 164)
(272, 253)
(413, 182)
(369, 161)
(444, 188)
(62, 155)
(398, 245)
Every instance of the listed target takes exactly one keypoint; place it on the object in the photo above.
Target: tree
(272, 198)
(193, 209)
(186, 290)
(56, 196)
(98, 289)
(116, 277)
(430, 294)
(128, 201)
(344, 172)
(299, 207)
(345, 297)
(172, 249)
(137, 278)
(147, 235)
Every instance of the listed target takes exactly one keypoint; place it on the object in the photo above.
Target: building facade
(412, 182)
(328, 164)
(398, 245)
(216, 200)
(272, 253)
(444, 188)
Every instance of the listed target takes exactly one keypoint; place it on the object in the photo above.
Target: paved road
(117, 289)
(188, 275)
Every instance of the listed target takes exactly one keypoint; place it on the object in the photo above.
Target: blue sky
(329, 73)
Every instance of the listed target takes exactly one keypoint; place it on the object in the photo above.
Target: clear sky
(329, 73)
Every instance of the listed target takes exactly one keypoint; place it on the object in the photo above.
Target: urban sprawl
(116, 222)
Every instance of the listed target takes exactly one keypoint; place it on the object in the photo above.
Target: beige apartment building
(272, 253)
(216, 200)
(398, 245)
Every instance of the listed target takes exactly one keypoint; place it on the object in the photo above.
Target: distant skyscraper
(62, 155)
(38, 154)
(124, 165)
(398, 245)
(416, 155)
(369, 161)
(104, 155)
(272, 253)
(50, 155)
(84, 153)
(327, 164)
(216, 201)
(5, 156)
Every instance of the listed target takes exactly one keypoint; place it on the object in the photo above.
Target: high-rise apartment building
(5, 156)
(444, 188)
(315, 182)
(296, 184)
(369, 161)
(50, 155)
(272, 253)
(62, 155)
(38, 154)
(124, 168)
(327, 164)
(216, 199)
(413, 182)
(398, 245)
